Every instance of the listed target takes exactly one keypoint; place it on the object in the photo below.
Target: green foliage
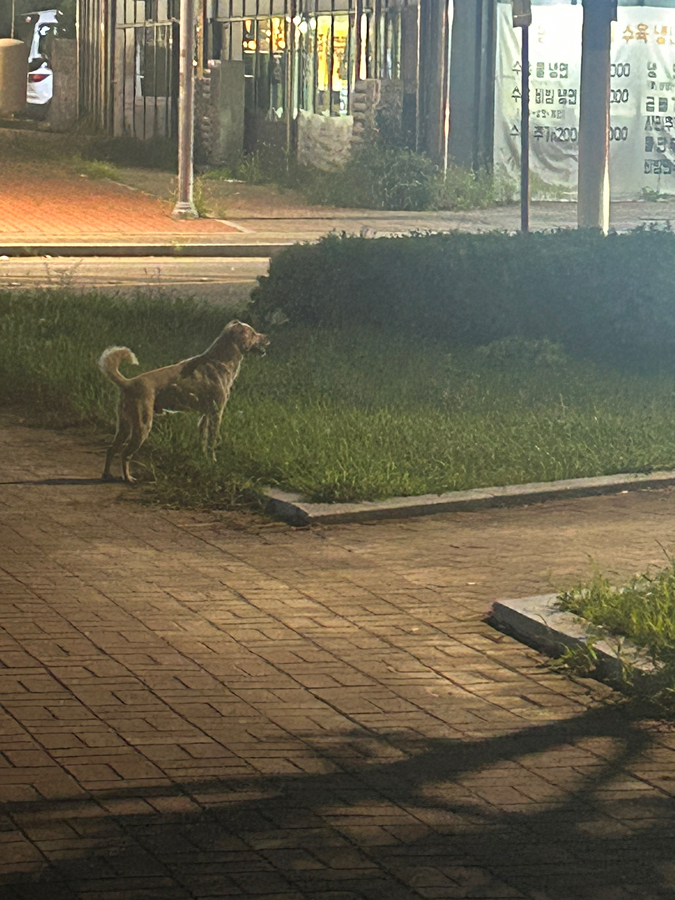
(156, 153)
(581, 660)
(269, 164)
(643, 610)
(85, 146)
(377, 176)
(339, 415)
(611, 299)
(95, 169)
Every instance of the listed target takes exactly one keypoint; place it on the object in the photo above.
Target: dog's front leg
(215, 421)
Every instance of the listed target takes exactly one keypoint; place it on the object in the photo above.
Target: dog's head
(246, 338)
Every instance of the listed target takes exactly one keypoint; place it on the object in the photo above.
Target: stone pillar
(13, 76)
(219, 113)
(62, 113)
(377, 107)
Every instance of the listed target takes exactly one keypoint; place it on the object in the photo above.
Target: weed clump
(643, 611)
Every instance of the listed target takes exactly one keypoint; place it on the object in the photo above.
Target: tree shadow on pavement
(548, 813)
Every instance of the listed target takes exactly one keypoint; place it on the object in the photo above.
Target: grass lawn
(340, 415)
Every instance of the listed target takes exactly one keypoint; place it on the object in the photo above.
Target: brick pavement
(41, 203)
(191, 710)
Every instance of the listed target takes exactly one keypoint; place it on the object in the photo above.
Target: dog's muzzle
(260, 348)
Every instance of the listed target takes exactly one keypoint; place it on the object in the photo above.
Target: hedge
(603, 297)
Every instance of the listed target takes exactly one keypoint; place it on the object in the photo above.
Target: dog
(199, 384)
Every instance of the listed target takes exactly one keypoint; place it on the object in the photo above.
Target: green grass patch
(642, 610)
(340, 414)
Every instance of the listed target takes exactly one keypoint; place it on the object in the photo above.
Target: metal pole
(525, 133)
(593, 206)
(185, 207)
(13, 15)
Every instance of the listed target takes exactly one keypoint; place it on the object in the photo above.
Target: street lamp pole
(185, 207)
(522, 18)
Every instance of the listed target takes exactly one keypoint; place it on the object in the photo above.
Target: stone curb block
(294, 509)
(540, 623)
(256, 251)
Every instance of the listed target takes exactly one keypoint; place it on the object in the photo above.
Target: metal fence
(94, 62)
(145, 68)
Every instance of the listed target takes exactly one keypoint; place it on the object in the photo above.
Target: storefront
(304, 57)
(296, 59)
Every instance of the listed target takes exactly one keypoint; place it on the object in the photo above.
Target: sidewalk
(41, 205)
(46, 207)
(198, 706)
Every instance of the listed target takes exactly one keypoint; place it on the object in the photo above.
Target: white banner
(642, 132)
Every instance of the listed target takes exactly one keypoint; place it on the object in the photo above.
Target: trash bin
(13, 75)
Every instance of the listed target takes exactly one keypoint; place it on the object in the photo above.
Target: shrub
(376, 177)
(610, 298)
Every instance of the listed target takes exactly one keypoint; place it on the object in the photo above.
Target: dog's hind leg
(203, 426)
(140, 430)
(121, 437)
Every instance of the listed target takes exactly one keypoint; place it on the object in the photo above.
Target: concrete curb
(293, 508)
(256, 251)
(539, 623)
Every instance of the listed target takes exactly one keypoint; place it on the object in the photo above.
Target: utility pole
(593, 190)
(185, 207)
(522, 18)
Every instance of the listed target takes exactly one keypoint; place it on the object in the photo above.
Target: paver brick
(309, 714)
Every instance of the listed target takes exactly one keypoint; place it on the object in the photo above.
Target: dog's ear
(244, 335)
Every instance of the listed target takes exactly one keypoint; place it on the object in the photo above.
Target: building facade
(284, 69)
(310, 76)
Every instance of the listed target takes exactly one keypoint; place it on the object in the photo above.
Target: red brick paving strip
(43, 205)
(190, 711)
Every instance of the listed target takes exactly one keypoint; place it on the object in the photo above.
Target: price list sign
(642, 101)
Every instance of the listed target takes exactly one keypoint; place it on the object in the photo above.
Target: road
(224, 280)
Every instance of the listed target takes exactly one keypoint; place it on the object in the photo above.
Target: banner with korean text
(642, 129)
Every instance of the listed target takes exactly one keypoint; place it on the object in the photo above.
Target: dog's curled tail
(110, 360)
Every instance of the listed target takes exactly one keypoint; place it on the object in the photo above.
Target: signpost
(593, 207)
(522, 18)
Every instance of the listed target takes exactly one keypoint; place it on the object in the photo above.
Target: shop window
(306, 57)
(323, 56)
(264, 54)
(333, 64)
(341, 66)
(154, 58)
(323, 64)
(392, 45)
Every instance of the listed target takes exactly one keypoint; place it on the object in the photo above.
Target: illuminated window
(323, 64)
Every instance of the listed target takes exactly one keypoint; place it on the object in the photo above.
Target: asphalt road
(219, 280)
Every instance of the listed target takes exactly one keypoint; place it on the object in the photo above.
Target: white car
(38, 29)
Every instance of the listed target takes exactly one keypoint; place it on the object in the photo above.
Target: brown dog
(200, 384)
